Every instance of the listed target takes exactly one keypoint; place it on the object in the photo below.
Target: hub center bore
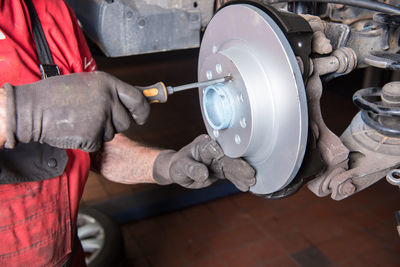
(218, 106)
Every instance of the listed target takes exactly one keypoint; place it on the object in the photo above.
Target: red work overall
(38, 219)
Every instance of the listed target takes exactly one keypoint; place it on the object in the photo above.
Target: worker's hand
(201, 163)
(77, 111)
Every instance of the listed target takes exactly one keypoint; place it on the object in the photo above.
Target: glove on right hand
(77, 111)
(201, 163)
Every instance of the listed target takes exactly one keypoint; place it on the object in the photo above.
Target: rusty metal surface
(361, 156)
(372, 156)
(333, 152)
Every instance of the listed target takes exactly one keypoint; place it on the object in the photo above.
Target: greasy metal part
(391, 94)
(316, 23)
(383, 60)
(348, 15)
(376, 41)
(381, 108)
(373, 36)
(269, 125)
(371, 156)
(348, 59)
(321, 44)
(338, 34)
(366, 40)
(327, 36)
(393, 177)
(333, 151)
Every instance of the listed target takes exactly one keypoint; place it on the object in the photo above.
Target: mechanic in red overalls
(48, 127)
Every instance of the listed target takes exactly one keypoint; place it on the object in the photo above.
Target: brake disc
(261, 114)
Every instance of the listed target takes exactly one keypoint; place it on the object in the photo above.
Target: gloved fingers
(205, 149)
(197, 185)
(187, 170)
(133, 100)
(240, 185)
(121, 122)
(239, 172)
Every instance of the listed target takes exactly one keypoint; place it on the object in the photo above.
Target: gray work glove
(77, 111)
(201, 163)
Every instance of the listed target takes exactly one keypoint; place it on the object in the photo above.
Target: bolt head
(347, 188)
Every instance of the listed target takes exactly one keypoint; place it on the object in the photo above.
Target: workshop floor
(245, 230)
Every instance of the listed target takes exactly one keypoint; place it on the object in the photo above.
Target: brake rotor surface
(261, 114)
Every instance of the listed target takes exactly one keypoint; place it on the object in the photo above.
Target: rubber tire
(112, 252)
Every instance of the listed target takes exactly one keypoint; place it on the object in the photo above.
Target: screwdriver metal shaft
(172, 90)
(158, 93)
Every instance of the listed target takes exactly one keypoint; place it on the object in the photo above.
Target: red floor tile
(166, 259)
(198, 213)
(322, 231)
(293, 219)
(174, 219)
(245, 230)
(354, 261)
(384, 210)
(222, 241)
(234, 219)
(274, 224)
(261, 211)
(364, 218)
(245, 201)
(345, 247)
(381, 257)
(238, 257)
(144, 227)
(138, 262)
(318, 211)
(281, 262)
(386, 234)
(155, 243)
(222, 207)
(193, 249)
(291, 240)
(202, 220)
(248, 233)
(212, 261)
(132, 249)
(265, 250)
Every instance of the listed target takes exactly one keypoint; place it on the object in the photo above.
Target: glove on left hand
(201, 163)
(79, 111)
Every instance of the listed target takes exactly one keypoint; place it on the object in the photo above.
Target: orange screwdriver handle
(156, 93)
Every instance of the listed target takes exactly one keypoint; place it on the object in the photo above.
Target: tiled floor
(245, 230)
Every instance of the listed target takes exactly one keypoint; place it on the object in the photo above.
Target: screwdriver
(158, 93)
